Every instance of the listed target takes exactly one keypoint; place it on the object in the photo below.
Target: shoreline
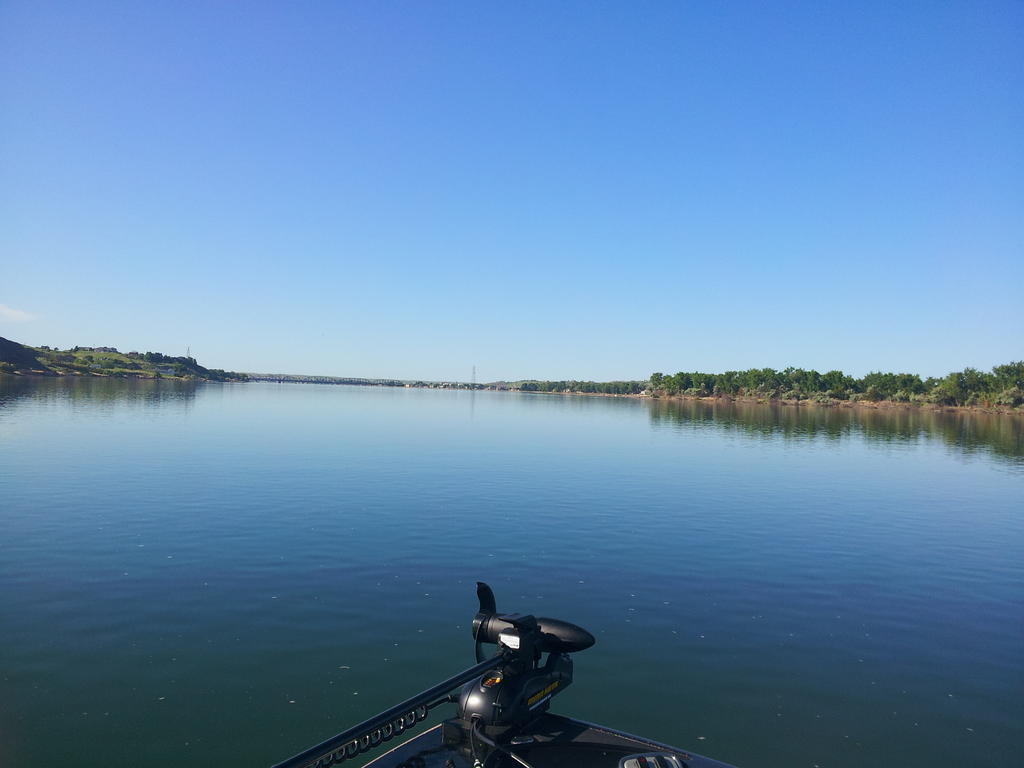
(879, 405)
(113, 377)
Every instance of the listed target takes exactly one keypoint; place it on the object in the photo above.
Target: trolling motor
(499, 695)
(521, 687)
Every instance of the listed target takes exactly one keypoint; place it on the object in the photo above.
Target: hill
(16, 356)
(18, 359)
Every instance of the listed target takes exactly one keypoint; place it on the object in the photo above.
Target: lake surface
(225, 574)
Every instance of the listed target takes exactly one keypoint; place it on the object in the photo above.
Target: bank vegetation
(1003, 387)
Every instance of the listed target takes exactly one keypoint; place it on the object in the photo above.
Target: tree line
(589, 387)
(1003, 386)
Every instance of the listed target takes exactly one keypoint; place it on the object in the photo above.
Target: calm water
(221, 575)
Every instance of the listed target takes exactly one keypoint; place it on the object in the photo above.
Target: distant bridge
(292, 378)
(282, 378)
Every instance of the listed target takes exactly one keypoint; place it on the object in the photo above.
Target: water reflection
(103, 395)
(1000, 435)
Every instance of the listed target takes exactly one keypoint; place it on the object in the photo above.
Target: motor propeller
(488, 607)
(486, 597)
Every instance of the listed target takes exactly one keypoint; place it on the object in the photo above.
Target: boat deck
(557, 742)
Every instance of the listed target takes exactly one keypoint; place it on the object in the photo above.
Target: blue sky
(553, 190)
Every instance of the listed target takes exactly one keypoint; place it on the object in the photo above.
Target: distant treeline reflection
(966, 431)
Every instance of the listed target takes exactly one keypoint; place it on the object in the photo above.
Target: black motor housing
(500, 701)
(557, 636)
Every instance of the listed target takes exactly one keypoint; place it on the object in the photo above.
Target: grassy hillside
(18, 359)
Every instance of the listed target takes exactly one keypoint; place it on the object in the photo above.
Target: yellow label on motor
(542, 693)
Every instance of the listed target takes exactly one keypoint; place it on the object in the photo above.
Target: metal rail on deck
(380, 728)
